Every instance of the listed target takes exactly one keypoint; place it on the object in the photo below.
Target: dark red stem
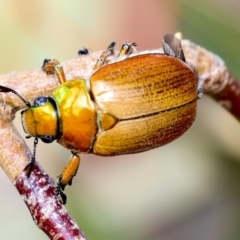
(39, 193)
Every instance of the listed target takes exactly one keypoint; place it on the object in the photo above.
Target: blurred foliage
(214, 25)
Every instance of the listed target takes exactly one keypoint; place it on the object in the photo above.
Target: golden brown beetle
(133, 105)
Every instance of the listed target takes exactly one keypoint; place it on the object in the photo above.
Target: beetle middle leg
(67, 175)
(29, 167)
(53, 67)
(103, 58)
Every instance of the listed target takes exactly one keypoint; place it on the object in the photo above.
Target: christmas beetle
(132, 105)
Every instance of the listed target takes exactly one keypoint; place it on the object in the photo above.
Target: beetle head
(40, 120)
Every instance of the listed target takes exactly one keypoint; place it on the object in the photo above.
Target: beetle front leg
(53, 67)
(67, 175)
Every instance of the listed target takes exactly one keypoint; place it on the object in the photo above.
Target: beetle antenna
(6, 89)
(29, 167)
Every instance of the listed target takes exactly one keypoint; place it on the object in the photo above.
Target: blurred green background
(186, 190)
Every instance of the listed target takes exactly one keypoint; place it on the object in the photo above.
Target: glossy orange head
(41, 119)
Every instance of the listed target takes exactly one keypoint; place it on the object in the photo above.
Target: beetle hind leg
(172, 46)
(126, 50)
(52, 66)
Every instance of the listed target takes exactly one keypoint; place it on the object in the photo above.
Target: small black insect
(83, 51)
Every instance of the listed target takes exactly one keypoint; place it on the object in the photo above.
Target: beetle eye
(48, 139)
(40, 101)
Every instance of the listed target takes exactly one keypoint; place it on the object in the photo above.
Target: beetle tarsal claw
(62, 194)
(28, 169)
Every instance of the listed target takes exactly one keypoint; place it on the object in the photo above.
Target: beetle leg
(62, 194)
(172, 46)
(103, 58)
(127, 49)
(67, 175)
(29, 167)
(53, 67)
